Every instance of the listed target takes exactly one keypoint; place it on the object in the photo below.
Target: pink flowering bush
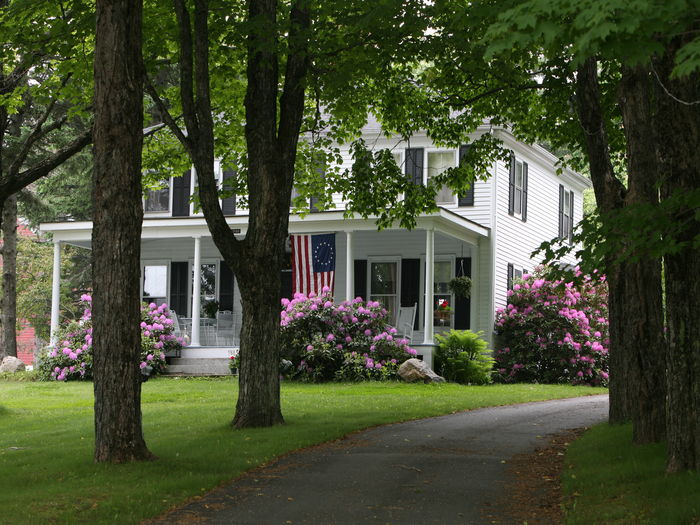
(71, 357)
(554, 331)
(347, 342)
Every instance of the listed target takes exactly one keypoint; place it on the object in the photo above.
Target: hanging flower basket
(461, 286)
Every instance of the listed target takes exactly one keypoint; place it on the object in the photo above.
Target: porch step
(212, 366)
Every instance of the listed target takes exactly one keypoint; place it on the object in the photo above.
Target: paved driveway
(444, 470)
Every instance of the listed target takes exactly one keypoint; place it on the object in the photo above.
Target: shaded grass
(610, 481)
(46, 439)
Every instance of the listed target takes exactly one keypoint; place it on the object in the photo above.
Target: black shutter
(561, 211)
(463, 266)
(524, 205)
(511, 185)
(571, 217)
(181, 195)
(410, 285)
(228, 205)
(467, 198)
(510, 276)
(414, 164)
(225, 287)
(361, 278)
(178, 287)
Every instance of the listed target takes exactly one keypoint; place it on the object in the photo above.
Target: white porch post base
(196, 290)
(55, 291)
(429, 278)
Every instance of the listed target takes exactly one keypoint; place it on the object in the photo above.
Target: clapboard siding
(515, 239)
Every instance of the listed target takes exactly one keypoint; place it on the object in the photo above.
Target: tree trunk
(116, 237)
(678, 125)
(9, 277)
(642, 305)
(610, 194)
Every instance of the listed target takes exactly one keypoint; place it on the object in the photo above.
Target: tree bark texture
(643, 328)
(610, 194)
(678, 125)
(9, 277)
(116, 238)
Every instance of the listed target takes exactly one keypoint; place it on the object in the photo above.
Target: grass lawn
(612, 482)
(46, 439)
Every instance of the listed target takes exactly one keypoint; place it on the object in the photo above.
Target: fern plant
(463, 357)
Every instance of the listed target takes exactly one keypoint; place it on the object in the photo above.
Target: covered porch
(181, 266)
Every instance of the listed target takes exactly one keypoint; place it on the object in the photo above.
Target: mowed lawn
(47, 474)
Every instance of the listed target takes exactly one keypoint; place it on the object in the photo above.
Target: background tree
(41, 89)
(283, 44)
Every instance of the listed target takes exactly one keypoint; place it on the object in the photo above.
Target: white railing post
(349, 268)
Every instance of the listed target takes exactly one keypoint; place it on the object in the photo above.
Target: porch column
(429, 278)
(55, 291)
(349, 268)
(196, 290)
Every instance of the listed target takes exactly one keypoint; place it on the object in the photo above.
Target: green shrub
(463, 357)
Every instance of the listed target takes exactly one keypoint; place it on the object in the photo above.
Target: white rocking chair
(406, 320)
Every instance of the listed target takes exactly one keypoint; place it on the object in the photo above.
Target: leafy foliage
(351, 341)
(554, 331)
(462, 356)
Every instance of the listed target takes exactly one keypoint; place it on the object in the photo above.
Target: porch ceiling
(443, 221)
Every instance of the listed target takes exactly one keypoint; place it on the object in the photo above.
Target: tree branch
(186, 69)
(167, 117)
(44, 167)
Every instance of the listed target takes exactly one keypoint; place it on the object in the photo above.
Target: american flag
(313, 263)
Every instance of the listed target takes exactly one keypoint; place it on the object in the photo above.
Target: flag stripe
(305, 280)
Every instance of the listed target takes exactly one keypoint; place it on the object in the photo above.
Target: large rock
(416, 370)
(11, 364)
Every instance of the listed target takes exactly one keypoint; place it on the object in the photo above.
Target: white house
(487, 234)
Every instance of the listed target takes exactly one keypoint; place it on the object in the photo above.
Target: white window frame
(202, 262)
(388, 259)
(166, 213)
(518, 193)
(438, 258)
(155, 262)
(455, 153)
(567, 219)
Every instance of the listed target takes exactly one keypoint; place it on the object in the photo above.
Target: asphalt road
(444, 470)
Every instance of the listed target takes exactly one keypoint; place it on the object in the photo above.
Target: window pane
(442, 277)
(518, 200)
(208, 280)
(158, 200)
(438, 162)
(155, 281)
(567, 203)
(383, 279)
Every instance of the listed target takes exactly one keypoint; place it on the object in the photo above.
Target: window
(513, 273)
(517, 189)
(158, 200)
(383, 286)
(438, 162)
(155, 283)
(566, 214)
(207, 283)
(443, 300)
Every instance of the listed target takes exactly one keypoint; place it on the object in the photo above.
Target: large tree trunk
(678, 125)
(272, 148)
(9, 277)
(642, 304)
(116, 237)
(610, 195)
